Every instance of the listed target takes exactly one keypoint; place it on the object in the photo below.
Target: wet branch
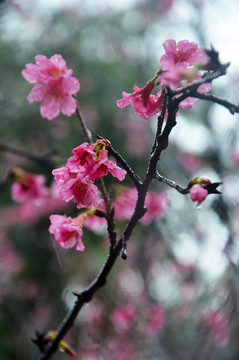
(172, 184)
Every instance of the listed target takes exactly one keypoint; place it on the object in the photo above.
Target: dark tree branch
(82, 298)
(207, 78)
(209, 97)
(135, 178)
(86, 131)
(42, 159)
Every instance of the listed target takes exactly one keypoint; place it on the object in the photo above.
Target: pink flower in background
(143, 102)
(125, 202)
(156, 319)
(218, 326)
(54, 85)
(190, 162)
(11, 261)
(28, 186)
(156, 205)
(30, 211)
(198, 193)
(123, 317)
(183, 53)
(95, 223)
(67, 231)
(165, 6)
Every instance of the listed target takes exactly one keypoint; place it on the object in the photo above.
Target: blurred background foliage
(187, 262)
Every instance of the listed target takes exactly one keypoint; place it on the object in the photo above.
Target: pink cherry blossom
(100, 167)
(143, 102)
(92, 162)
(123, 318)
(28, 186)
(198, 193)
(95, 223)
(156, 319)
(75, 179)
(218, 326)
(83, 156)
(67, 231)
(183, 53)
(54, 85)
(74, 186)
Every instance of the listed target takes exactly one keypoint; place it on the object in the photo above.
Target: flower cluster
(76, 181)
(76, 178)
(179, 66)
(54, 86)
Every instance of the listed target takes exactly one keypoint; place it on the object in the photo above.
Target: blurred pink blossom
(32, 210)
(156, 319)
(28, 186)
(54, 85)
(11, 261)
(219, 327)
(190, 162)
(123, 318)
(165, 6)
(155, 203)
(95, 223)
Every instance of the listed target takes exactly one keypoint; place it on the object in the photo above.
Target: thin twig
(171, 183)
(42, 159)
(209, 97)
(207, 78)
(86, 131)
(135, 178)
